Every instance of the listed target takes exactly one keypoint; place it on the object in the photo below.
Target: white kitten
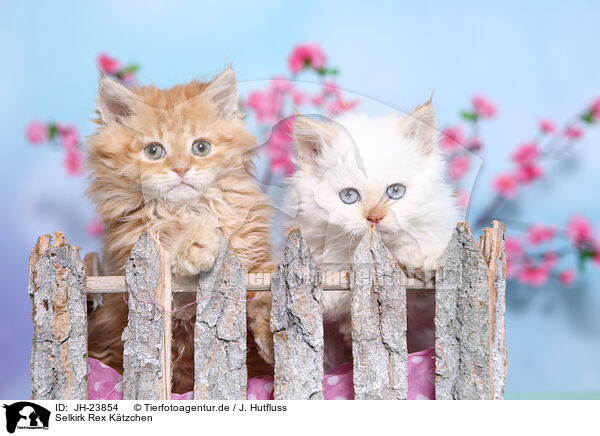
(387, 172)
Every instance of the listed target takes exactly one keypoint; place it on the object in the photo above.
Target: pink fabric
(104, 383)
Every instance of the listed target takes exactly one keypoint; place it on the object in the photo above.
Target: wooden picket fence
(469, 288)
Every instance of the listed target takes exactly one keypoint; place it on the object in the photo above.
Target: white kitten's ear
(421, 126)
(310, 136)
(115, 102)
(224, 93)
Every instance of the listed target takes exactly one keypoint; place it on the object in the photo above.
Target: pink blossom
(595, 108)
(526, 153)
(458, 167)
(597, 257)
(306, 56)
(573, 132)
(73, 161)
(475, 144)
(483, 107)
(266, 104)
(538, 234)
(529, 173)
(547, 126)
(339, 106)
(550, 260)
(506, 185)
(534, 275)
(514, 253)
(452, 138)
(95, 227)
(579, 230)
(108, 64)
(37, 132)
(331, 88)
(68, 135)
(298, 97)
(462, 198)
(279, 148)
(567, 277)
(317, 100)
(129, 80)
(281, 84)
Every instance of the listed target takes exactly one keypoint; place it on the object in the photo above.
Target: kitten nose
(376, 215)
(181, 171)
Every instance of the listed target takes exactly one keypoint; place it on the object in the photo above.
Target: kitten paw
(419, 259)
(194, 256)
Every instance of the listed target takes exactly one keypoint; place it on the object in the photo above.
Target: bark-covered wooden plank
(297, 323)
(462, 337)
(492, 248)
(58, 297)
(378, 323)
(146, 355)
(220, 331)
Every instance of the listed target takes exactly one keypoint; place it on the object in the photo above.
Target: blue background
(532, 60)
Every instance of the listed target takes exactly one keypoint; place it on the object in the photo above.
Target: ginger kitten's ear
(421, 126)
(310, 136)
(115, 102)
(224, 93)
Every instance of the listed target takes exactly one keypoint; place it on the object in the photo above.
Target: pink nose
(376, 215)
(181, 171)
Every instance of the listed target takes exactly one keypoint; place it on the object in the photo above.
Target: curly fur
(182, 198)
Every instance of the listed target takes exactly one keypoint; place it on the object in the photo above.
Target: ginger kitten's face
(172, 145)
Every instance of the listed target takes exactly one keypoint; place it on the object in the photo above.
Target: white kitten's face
(373, 171)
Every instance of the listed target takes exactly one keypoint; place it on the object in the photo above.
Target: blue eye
(349, 195)
(395, 191)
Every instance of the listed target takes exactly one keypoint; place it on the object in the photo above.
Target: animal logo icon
(24, 414)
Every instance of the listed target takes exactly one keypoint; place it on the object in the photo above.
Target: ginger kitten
(387, 172)
(176, 163)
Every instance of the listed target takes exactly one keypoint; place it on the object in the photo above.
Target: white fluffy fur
(369, 154)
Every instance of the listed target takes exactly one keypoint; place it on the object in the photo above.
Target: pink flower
(452, 138)
(526, 153)
(550, 260)
(331, 88)
(73, 161)
(483, 107)
(298, 97)
(538, 234)
(547, 126)
(95, 227)
(579, 230)
(317, 100)
(475, 144)
(514, 254)
(506, 185)
(107, 64)
(462, 198)
(68, 135)
(596, 109)
(37, 132)
(340, 106)
(129, 80)
(529, 173)
(458, 167)
(513, 247)
(279, 147)
(266, 104)
(534, 275)
(567, 277)
(573, 132)
(281, 84)
(306, 56)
